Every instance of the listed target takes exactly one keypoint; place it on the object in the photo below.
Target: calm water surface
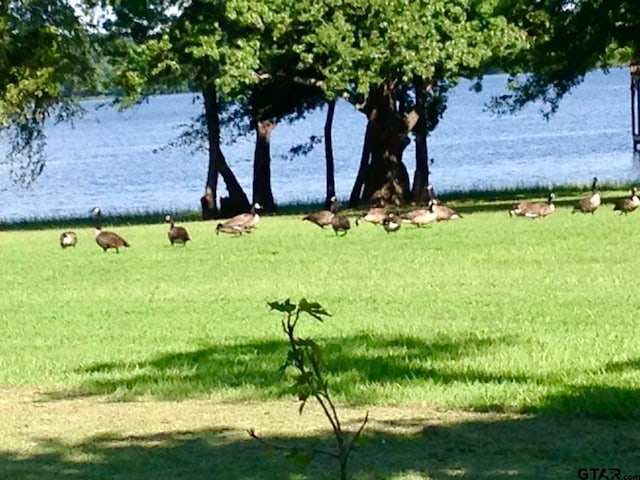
(110, 159)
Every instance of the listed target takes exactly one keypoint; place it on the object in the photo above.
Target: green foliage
(43, 47)
(566, 40)
(309, 361)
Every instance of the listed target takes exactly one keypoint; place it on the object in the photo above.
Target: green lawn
(483, 313)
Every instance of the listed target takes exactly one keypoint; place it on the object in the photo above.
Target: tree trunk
(387, 182)
(208, 200)
(421, 174)
(328, 152)
(237, 201)
(262, 192)
(356, 191)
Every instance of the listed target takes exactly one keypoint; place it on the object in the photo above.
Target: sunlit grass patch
(486, 312)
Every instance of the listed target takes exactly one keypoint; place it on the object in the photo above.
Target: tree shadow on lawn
(359, 359)
(250, 371)
(473, 445)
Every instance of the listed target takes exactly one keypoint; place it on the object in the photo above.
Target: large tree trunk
(328, 152)
(421, 174)
(387, 179)
(237, 201)
(262, 192)
(356, 191)
(208, 200)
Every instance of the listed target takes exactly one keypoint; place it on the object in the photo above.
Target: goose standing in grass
(340, 223)
(628, 205)
(590, 203)
(375, 215)
(104, 239)
(534, 209)
(442, 211)
(176, 234)
(419, 217)
(68, 239)
(322, 218)
(241, 222)
(391, 223)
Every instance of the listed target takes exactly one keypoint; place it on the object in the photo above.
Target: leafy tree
(209, 43)
(568, 38)
(396, 60)
(44, 51)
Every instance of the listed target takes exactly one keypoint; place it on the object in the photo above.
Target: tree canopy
(253, 62)
(567, 39)
(44, 49)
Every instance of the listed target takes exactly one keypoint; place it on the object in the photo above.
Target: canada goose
(245, 221)
(232, 230)
(420, 217)
(391, 223)
(534, 209)
(442, 211)
(68, 239)
(176, 234)
(590, 203)
(339, 222)
(104, 239)
(375, 215)
(628, 205)
(322, 218)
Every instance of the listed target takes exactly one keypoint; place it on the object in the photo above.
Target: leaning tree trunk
(237, 201)
(328, 153)
(262, 192)
(356, 191)
(387, 179)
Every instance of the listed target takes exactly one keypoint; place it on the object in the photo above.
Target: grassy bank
(485, 313)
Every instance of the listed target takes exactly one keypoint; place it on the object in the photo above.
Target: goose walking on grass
(340, 223)
(322, 218)
(419, 217)
(590, 203)
(628, 205)
(375, 215)
(241, 222)
(534, 209)
(68, 239)
(176, 234)
(105, 239)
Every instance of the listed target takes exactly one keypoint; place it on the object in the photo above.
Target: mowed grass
(483, 313)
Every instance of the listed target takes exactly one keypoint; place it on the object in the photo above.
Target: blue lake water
(111, 159)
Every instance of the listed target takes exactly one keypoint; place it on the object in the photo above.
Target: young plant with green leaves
(309, 361)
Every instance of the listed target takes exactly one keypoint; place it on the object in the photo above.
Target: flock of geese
(435, 211)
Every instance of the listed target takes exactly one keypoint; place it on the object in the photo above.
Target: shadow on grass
(356, 360)
(361, 367)
(483, 447)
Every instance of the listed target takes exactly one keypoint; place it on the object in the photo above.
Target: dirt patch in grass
(200, 439)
